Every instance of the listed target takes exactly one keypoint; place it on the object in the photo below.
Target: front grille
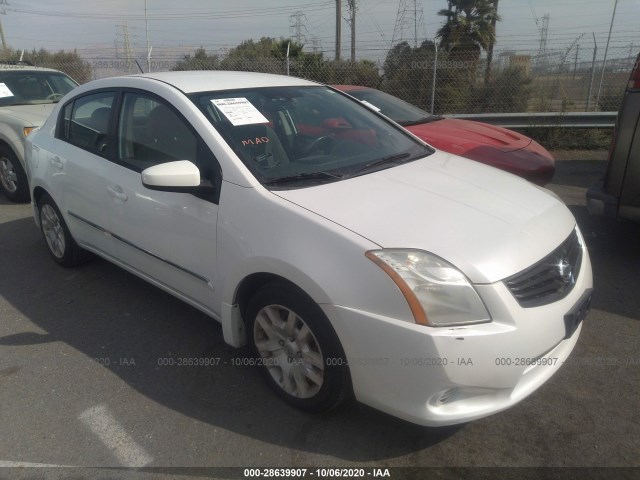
(550, 279)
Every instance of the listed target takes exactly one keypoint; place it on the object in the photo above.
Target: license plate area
(578, 313)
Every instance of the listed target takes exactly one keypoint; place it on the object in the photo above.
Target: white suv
(28, 94)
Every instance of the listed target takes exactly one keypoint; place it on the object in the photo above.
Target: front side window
(85, 122)
(291, 137)
(150, 132)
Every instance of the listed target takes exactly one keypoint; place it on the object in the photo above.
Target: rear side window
(85, 122)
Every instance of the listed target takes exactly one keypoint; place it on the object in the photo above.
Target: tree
(408, 73)
(69, 62)
(252, 56)
(509, 91)
(279, 48)
(200, 61)
(469, 27)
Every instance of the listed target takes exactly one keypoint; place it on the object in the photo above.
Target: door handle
(56, 162)
(117, 192)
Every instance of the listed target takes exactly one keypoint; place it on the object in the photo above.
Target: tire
(13, 179)
(57, 237)
(297, 349)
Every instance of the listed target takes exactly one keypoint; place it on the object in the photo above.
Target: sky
(96, 28)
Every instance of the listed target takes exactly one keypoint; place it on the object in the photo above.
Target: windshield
(397, 110)
(29, 88)
(290, 137)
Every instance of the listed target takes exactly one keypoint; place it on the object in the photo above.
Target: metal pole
(146, 28)
(352, 4)
(433, 81)
(593, 71)
(575, 62)
(4, 40)
(338, 28)
(606, 49)
(288, 46)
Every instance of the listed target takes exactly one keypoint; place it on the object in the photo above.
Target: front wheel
(297, 348)
(13, 179)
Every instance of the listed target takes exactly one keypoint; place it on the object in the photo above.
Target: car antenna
(141, 70)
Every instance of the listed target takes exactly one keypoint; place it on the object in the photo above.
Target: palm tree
(469, 28)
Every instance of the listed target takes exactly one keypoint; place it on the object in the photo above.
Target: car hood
(488, 223)
(459, 136)
(33, 114)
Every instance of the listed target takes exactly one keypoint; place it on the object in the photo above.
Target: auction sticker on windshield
(4, 91)
(239, 111)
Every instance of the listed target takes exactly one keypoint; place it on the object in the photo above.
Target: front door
(168, 237)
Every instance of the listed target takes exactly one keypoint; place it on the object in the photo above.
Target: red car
(495, 146)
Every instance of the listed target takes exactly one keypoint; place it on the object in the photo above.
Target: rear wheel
(13, 179)
(60, 243)
(297, 348)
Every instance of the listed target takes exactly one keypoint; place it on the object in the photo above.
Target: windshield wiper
(305, 176)
(373, 165)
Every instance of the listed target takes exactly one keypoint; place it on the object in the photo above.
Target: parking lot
(90, 376)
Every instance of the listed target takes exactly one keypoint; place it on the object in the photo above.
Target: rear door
(79, 158)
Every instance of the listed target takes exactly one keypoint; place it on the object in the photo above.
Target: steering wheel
(54, 96)
(320, 143)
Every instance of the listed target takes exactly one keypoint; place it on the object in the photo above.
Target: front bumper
(443, 376)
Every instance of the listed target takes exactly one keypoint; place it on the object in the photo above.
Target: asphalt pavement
(91, 376)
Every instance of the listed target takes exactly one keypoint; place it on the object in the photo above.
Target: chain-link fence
(437, 81)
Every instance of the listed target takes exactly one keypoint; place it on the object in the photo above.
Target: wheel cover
(8, 175)
(53, 231)
(289, 350)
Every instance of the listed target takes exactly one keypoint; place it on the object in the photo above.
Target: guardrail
(546, 119)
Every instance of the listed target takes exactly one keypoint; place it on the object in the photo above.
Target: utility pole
(338, 28)
(146, 28)
(575, 62)
(494, 21)
(606, 50)
(3, 12)
(593, 71)
(352, 23)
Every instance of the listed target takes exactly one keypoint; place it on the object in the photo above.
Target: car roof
(211, 80)
(10, 67)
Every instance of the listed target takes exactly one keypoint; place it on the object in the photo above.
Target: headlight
(438, 294)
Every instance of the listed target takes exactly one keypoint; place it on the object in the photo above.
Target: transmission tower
(409, 22)
(543, 26)
(127, 50)
(297, 25)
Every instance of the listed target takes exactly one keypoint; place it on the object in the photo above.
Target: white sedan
(354, 259)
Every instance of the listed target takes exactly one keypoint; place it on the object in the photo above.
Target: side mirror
(179, 176)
